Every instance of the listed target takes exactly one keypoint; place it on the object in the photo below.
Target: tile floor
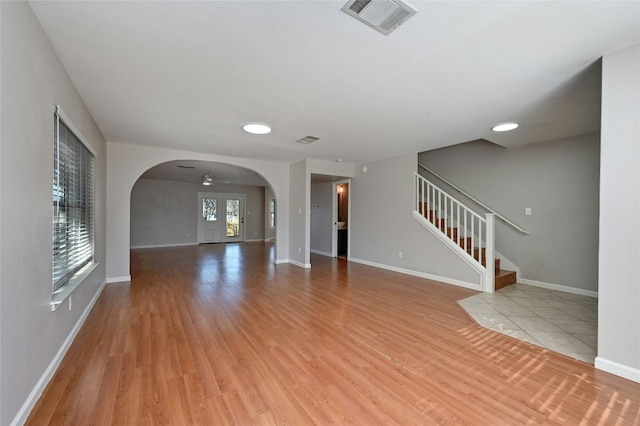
(563, 322)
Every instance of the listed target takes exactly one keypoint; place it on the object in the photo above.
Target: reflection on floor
(563, 322)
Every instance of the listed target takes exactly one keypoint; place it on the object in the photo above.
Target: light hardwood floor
(218, 335)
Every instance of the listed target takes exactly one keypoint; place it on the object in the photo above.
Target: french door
(220, 217)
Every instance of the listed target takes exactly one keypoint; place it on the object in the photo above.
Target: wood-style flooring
(219, 334)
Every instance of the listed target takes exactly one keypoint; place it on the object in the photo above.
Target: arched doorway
(127, 163)
(188, 202)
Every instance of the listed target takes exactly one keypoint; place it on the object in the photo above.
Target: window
(272, 212)
(210, 209)
(73, 165)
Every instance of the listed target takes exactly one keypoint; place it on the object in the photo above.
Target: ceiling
(188, 75)
(194, 170)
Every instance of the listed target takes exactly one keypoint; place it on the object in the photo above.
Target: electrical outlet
(527, 211)
(400, 254)
(70, 302)
(299, 250)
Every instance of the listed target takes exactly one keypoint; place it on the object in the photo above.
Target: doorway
(220, 217)
(341, 218)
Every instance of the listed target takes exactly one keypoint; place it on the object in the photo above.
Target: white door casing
(220, 217)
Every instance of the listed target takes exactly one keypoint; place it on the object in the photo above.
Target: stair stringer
(449, 243)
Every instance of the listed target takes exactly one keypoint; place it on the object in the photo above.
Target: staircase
(466, 229)
(502, 277)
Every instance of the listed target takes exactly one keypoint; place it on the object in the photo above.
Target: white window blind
(73, 165)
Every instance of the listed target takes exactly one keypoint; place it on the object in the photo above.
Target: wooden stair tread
(504, 278)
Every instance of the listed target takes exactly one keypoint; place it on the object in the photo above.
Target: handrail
(475, 200)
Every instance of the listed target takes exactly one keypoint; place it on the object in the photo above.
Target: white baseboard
(419, 274)
(621, 370)
(300, 264)
(322, 253)
(255, 240)
(163, 245)
(42, 383)
(559, 287)
(121, 279)
(281, 261)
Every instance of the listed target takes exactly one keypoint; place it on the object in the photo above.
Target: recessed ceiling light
(505, 127)
(256, 128)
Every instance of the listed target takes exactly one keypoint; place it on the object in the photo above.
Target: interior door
(210, 218)
(233, 218)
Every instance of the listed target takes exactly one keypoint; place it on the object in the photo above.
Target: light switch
(527, 211)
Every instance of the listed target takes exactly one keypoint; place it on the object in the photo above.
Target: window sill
(72, 284)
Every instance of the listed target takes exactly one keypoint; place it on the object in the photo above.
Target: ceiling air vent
(307, 139)
(381, 15)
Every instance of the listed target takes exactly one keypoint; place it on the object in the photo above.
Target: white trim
(321, 253)
(559, 287)
(419, 274)
(163, 245)
(281, 261)
(67, 122)
(477, 266)
(121, 279)
(72, 284)
(618, 369)
(300, 264)
(44, 380)
(255, 240)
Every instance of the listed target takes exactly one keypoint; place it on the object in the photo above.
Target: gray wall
(164, 212)
(33, 81)
(299, 233)
(321, 217)
(381, 223)
(558, 180)
(619, 255)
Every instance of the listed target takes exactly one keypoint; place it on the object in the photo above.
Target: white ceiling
(194, 170)
(188, 75)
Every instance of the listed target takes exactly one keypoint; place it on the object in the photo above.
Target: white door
(209, 218)
(220, 217)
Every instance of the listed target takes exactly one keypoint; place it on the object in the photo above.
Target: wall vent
(307, 139)
(382, 15)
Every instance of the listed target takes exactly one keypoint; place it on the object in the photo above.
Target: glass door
(234, 218)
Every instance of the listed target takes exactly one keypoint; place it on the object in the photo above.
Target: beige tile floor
(559, 321)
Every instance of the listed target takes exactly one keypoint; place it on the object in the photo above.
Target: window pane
(210, 209)
(272, 212)
(233, 218)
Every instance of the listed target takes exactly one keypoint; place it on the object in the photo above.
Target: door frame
(222, 214)
(334, 217)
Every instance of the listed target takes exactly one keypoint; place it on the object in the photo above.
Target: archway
(169, 202)
(126, 163)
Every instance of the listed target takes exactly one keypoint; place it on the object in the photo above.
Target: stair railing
(472, 234)
(475, 200)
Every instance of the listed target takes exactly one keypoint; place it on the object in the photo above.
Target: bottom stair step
(504, 278)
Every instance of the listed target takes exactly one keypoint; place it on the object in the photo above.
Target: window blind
(73, 169)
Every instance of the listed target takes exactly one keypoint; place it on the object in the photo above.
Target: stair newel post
(489, 277)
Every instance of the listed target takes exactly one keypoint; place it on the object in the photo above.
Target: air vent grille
(307, 139)
(382, 15)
